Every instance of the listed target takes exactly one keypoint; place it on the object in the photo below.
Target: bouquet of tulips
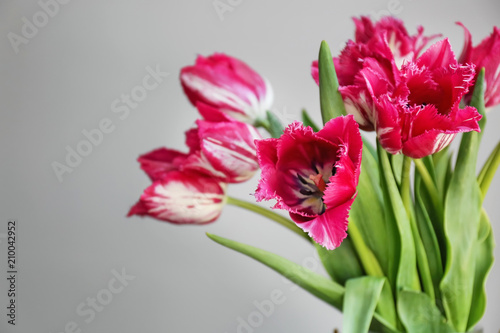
(399, 225)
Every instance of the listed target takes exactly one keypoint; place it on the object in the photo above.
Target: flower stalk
(287, 223)
(368, 259)
(430, 185)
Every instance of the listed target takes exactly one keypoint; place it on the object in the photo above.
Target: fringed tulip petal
(313, 176)
(487, 55)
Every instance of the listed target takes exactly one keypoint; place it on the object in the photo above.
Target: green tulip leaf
(443, 171)
(360, 300)
(397, 167)
(419, 314)
(331, 101)
(367, 211)
(484, 262)
(429, 238)
(318, 285)
(401, 248)
(275, 126)
(307, 121)
(462, 211)
(342, 263)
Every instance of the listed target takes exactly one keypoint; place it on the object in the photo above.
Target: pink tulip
(387, 41)
(190, 187)
(222, 150)
(228, 85)
(182, 197)
(421, 114)
(414, 107)
(487, 55)
(379, 50)
(313, 176)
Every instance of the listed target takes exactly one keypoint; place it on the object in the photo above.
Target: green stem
(489, 169)
(368, 259)
(405, 184)
(422, 261)
(430, 185)
(263, 123)
(269, 214)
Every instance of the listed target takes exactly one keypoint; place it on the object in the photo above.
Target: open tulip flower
(421, 114)
(381, 48)
(413, 106)
(406, 250)
(313, 176)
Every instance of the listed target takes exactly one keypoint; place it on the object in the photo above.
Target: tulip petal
(431, 131)
(193, 140)
(329, 229)
(228, 85)
(229, 147)
(427, 143)
(388, 123)
(439, 55)
(315, 70)
(342, 186)
(467, 49)
(160, 161)
(211, 113)
(267, 158)
(182, 198)
(487, 55)
(489, 48)
(347, 128)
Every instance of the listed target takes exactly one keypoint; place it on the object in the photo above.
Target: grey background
(72, 234)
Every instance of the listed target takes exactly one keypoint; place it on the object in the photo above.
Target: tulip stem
(422, 261)
(269, 214)
(368, 259)
(430, 185)
(405, 184)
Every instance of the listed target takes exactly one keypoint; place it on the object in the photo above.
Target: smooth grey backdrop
(73, 237)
